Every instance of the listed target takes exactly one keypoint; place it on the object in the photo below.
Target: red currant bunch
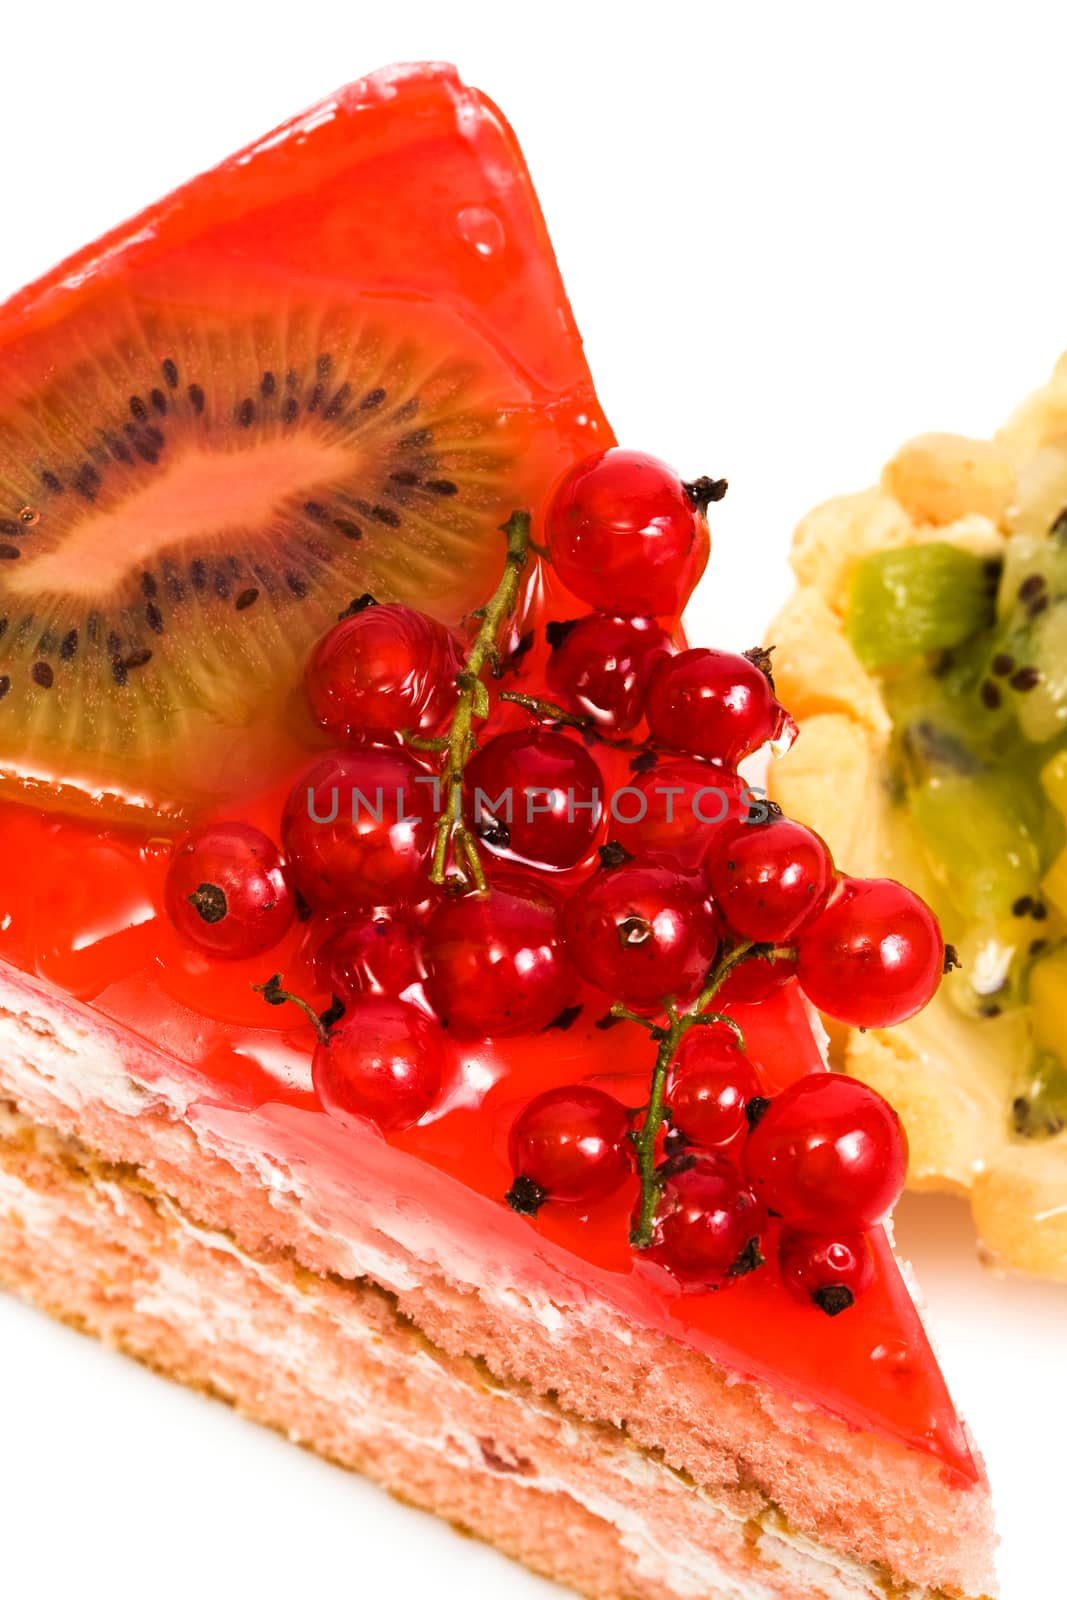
(828, 1153)
(383, 1063)
(384, 669)
(626, 535)
(495, 962)
(708, 1224)
(874, 956)
(643, 933)
(538, 796)
(357, 828)
(713, 704)
(600, 664)
(227, 892)
(569, 1145)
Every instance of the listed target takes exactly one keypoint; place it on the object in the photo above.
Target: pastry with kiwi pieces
(476, 1149)
(924, 654)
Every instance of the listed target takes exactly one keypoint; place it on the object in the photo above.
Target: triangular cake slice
(330, 368)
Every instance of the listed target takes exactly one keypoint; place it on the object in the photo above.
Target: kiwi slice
(913, 601)
(188, 500)
(1024, 675)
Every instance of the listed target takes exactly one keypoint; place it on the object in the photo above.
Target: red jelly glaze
(81, 904)
(83, 911)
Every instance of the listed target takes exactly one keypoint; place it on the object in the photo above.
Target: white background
(793, 235)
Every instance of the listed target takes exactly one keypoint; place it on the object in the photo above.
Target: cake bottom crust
(336, 1366)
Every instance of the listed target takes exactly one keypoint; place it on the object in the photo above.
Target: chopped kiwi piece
(1039, 1110)
(1024, 675)
(188, 499)
(977, 832)
(914, 601)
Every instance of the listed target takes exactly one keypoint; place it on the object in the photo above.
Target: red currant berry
(226, 890)
(569, 1144)
(831, 1269)
(708, 1223)
(712, 1082)
(385, 669)
(624, 535)
(496, 964)
(770, 879)
(643, 933)
(688, 804)
(375, 955)
(714, 704)
(383, 1062)
(599, 667)
(357, 828)
(828, 1153)
(874, 956)
(537, 795)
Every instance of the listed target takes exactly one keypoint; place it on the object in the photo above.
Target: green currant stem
(546, 709)
(473, 702)
(669, 1042)
(275, 995)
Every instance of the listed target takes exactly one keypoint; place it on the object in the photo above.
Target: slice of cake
(400, 992)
